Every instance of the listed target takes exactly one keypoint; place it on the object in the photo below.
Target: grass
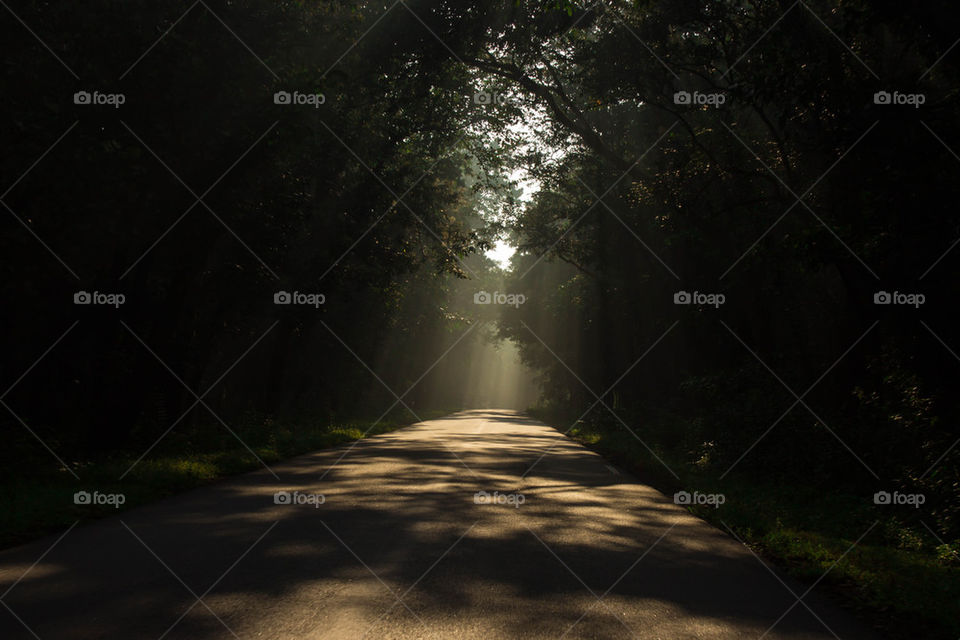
(36, 499)
(899, 578)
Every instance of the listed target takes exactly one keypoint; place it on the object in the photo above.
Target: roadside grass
(900, 579)
(38, 499)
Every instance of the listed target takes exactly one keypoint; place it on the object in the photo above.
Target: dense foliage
(739, 148)
(201, 196)
(723, 147)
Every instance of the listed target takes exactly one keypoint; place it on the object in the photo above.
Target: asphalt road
(403, 547)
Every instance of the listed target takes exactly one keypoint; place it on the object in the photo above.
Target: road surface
(390, 539)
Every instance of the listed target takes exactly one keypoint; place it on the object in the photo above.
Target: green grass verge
(36, 500)
(899, 579)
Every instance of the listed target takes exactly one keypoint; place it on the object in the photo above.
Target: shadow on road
(404, 546)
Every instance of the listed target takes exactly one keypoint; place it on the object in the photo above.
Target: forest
(730, 231)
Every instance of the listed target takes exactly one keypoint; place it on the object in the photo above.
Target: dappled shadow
(400, 513)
